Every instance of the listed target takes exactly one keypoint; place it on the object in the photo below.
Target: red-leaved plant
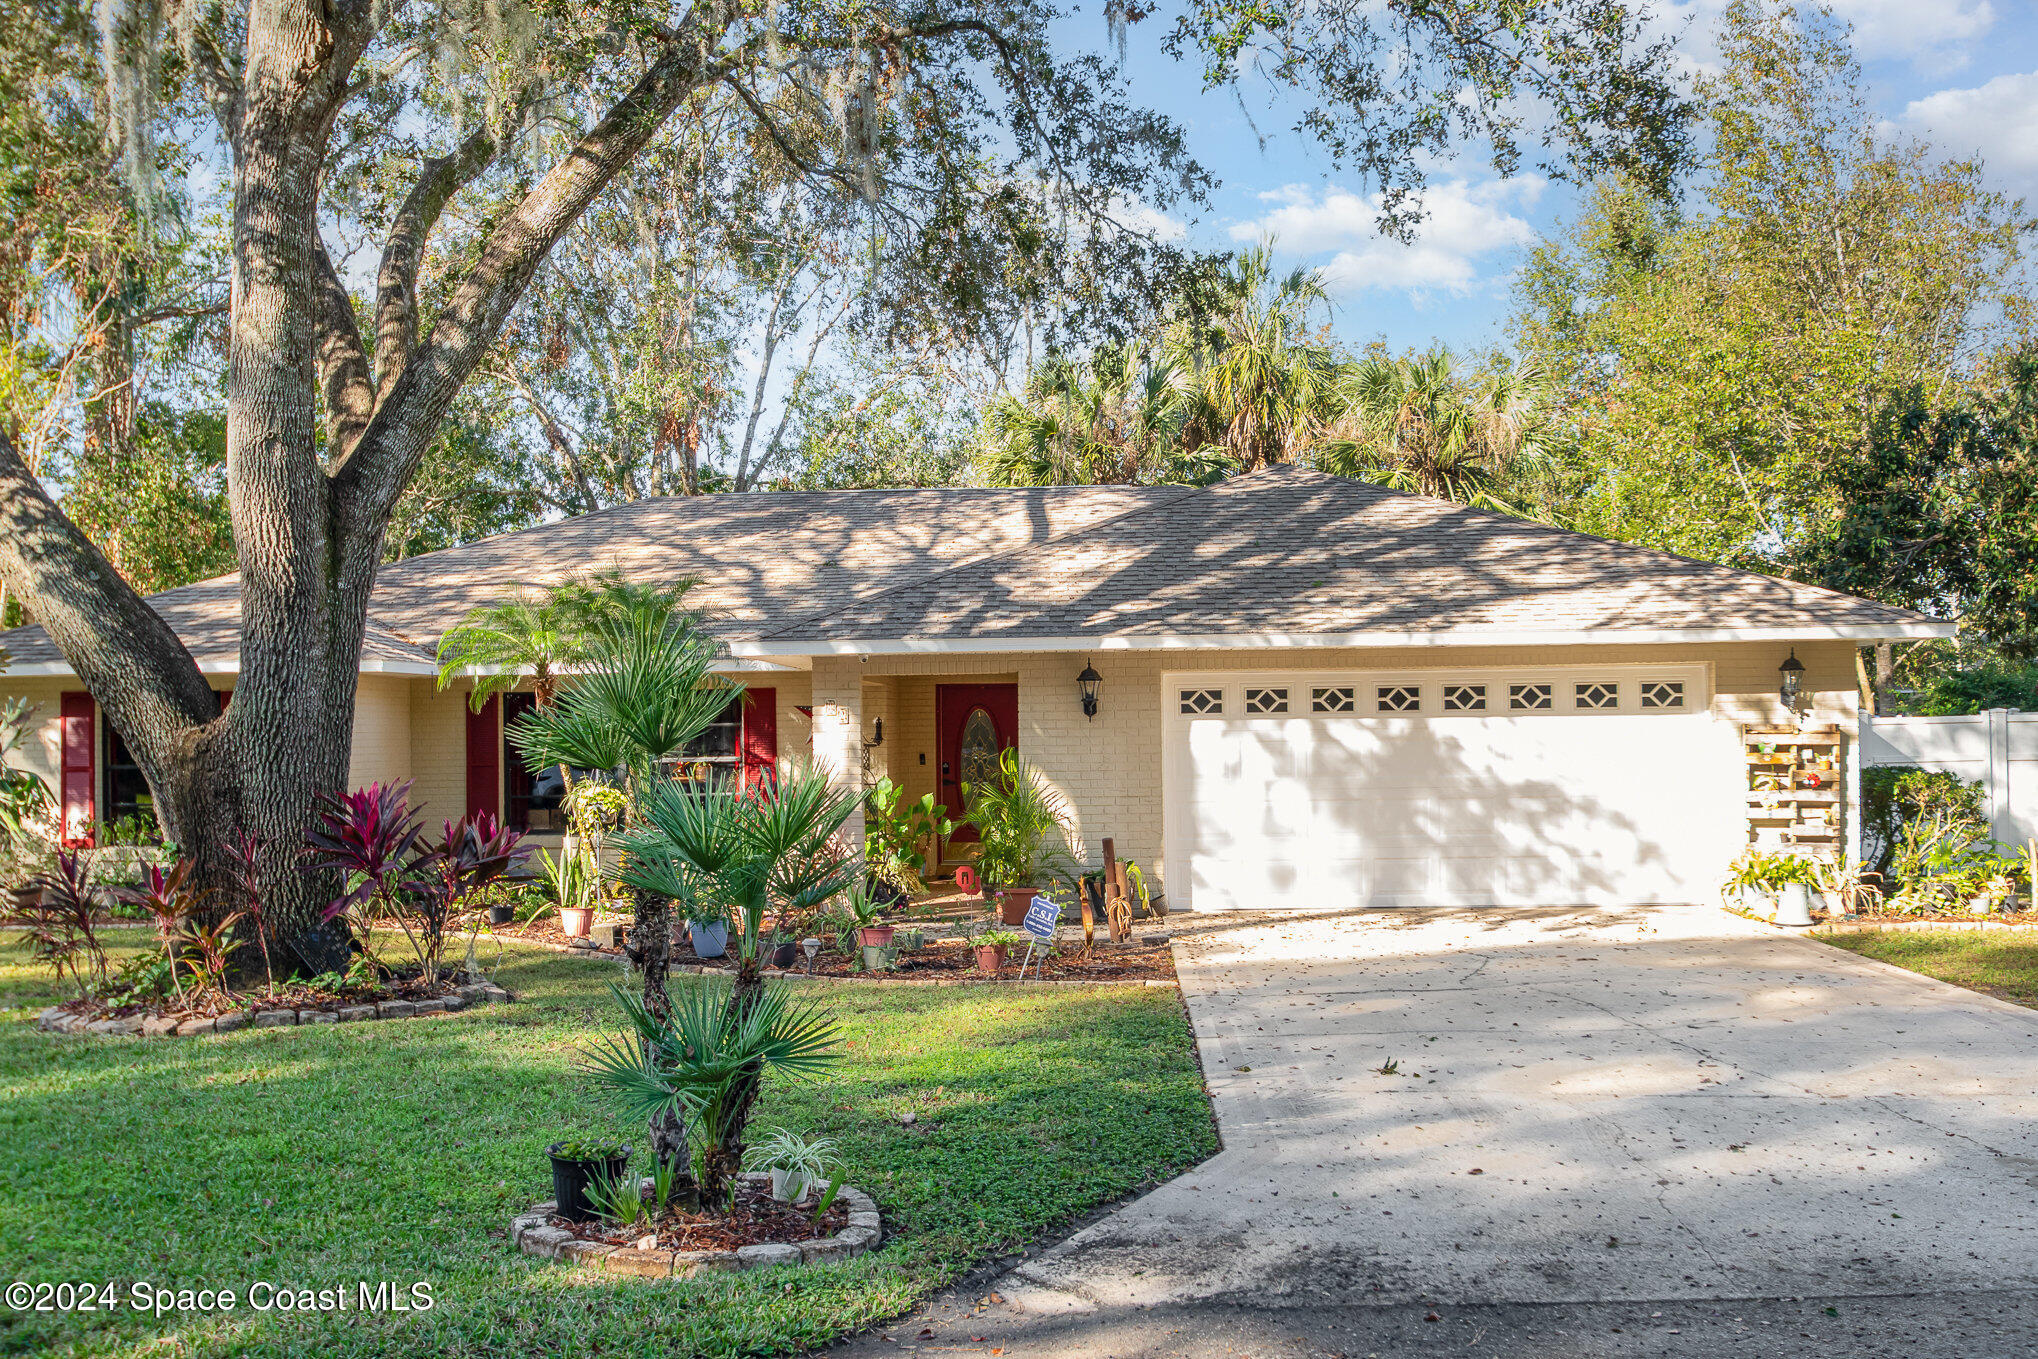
(245, 886)
(172, 903)
(393, 877)
(56, 921)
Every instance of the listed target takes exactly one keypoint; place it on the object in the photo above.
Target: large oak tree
(496, 125)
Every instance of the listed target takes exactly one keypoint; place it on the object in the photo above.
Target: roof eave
(1250, 641)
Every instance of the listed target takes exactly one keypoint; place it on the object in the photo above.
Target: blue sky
(1960, 73)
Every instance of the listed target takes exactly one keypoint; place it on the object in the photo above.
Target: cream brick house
(1313, 691)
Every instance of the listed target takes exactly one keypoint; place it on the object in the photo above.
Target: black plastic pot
(782, 956)
(501, 915)
(570, 1180)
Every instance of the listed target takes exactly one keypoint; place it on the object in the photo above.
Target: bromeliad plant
(700, 1066)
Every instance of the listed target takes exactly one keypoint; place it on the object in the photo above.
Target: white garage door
(1454, 788)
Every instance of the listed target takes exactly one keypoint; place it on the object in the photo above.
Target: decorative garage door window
(1663, 694)
(1400, 698)
(1338, 699)
(1264, 701)
(1599, 694)
(1487, 693)
(1464, 698)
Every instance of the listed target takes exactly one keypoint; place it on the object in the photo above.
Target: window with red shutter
(484, 758)
(78, 716)
(760, 739)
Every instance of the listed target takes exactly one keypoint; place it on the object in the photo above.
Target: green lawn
(2000, 964)
(316, 1157)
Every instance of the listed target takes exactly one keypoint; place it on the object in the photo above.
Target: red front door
(974, 724)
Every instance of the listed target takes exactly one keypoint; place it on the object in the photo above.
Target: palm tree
(703, 1062)
(1116, 419)
(648, 688)
(722, 855)
(1416, 425)
(533, 633)
(1261, 381)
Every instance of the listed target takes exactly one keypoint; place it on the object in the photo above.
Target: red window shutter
(484, 758)
(78, 715)
(760, 739)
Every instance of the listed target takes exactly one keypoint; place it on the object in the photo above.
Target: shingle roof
(1288, 551)
(760, 559)
(1285, 551)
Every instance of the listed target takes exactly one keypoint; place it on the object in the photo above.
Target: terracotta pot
(1013, 903)
(576, 921)
(875, 936)
(990, 957)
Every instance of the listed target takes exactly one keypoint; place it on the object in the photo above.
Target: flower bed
(296, 1005)
(760, 1234)
(952, 960)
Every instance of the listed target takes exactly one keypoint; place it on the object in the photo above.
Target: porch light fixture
(1792, 671)
(1087, 684)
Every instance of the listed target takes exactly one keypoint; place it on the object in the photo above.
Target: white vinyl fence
(1998, 749)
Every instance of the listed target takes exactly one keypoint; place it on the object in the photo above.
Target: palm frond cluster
(1242, 378)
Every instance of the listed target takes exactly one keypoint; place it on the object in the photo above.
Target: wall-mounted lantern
(1087, 685)
(1792, 672)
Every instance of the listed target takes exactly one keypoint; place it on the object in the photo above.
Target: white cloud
(1467, 224)
(1993, 119)
(1136, 215)
(1934, 36)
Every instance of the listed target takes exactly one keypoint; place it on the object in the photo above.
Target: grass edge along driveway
(322, 1156)
(2000, 963)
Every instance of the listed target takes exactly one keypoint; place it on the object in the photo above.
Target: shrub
(1894, 797)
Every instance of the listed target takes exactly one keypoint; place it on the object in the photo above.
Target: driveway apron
(1559, 1106)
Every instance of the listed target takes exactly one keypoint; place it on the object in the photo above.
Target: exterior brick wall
(1109, 768)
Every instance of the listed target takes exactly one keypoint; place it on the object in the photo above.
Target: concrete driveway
(1663, 1115)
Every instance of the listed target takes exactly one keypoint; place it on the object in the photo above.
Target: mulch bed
(758, 1219)
(290, 996)
(545, 930)
(952, 960)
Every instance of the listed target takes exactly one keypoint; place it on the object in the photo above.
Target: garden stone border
(532, 1233)
(55, 1020)
(1824, 927)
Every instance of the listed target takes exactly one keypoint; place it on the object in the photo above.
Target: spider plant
(702, 1064)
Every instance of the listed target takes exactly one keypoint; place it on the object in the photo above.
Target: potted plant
(709, 932)
(896, 838)
(1023, 833)
(864, 909)
(784, 950)
(797, 1165)
(1844, 883)
(571, 878)
(991, 948)
(577, 1164)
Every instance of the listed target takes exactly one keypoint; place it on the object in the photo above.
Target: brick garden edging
(534, 1235)
(169, 1026)
(1918, 927)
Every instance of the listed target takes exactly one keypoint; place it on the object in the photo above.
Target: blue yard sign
(1042, 915)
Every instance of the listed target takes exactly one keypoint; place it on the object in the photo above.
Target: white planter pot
(1757, 902)
(1793, 905)
(788, 1186)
